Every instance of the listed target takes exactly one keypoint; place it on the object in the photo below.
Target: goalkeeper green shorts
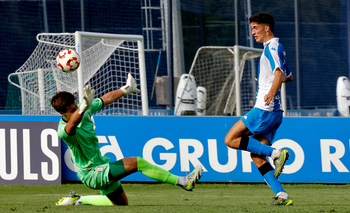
(98, 179)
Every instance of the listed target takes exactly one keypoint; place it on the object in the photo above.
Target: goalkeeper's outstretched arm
(74, 114)
(123, 91)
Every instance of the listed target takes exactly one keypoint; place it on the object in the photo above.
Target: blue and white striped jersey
(273, 57)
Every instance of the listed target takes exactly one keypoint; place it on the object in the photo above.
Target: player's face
(259, 32)
(70, 110)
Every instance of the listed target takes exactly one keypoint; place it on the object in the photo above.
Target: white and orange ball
(68, 60)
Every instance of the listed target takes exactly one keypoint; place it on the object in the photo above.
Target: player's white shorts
(261, 122)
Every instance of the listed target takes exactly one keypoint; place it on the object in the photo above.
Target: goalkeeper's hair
(263, 18)
(62, 100)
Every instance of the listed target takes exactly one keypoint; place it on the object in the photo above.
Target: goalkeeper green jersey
(86, 153)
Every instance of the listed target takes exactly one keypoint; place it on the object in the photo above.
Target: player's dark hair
(263, 18)
(62, 100)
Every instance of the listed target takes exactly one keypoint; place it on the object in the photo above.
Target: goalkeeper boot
(193, 178)
(278, 201)
(279, 162)
(78, 202)
(69, 200)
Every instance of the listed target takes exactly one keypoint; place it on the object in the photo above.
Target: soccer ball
(68, 60)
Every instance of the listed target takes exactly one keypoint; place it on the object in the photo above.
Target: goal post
(106, 60)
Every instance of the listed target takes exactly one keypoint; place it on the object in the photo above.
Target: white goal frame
(130, 56)
(142, 64)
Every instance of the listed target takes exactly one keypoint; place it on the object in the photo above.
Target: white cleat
(69, 200)
(193, 178)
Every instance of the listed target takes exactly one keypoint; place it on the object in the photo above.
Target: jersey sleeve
(273, 57)
(277, 58)
(96, 105)
(283, 61)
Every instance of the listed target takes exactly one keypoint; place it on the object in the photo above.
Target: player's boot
(193, 178)
(78, 202)
(69, 200)
(279, 162)
(278, 201)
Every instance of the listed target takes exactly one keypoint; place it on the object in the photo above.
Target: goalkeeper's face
(70, 110)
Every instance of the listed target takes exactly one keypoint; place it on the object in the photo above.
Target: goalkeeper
(96, 171)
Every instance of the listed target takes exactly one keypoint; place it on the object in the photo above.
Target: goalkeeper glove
(89, 95)
(130, 86)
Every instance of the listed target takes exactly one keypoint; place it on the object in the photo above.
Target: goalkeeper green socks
(155, 172)
(96, 200)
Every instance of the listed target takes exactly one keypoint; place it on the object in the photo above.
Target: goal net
(214, 69)
(106, 60)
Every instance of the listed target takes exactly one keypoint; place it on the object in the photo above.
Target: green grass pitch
(206, 197)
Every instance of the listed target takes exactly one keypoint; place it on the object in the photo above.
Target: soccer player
(96, 171)
(255, 131)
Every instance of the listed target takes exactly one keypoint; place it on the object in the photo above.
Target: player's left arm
(276, 85)
(111, 97)
(280, 58)
(78, 113)
(73, 122)
(130, 87)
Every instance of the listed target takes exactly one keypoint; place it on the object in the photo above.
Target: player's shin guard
(267, 172)
(155, 172)
(255, 146)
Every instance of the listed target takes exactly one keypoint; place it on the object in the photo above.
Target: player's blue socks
(255, 146)
(273, 182)
(267, 172)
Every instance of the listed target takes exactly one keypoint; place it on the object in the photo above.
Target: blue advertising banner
(319, 147)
